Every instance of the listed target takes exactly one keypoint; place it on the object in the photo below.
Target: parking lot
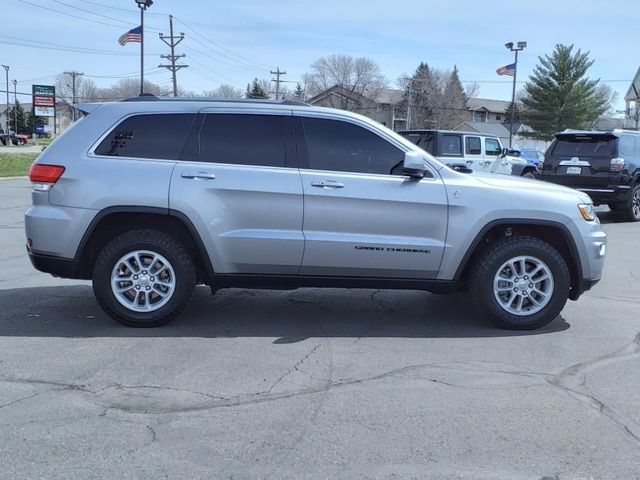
(315, 383)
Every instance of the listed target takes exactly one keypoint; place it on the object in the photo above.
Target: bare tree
(86, 91)
(354, 76)
(224, 91)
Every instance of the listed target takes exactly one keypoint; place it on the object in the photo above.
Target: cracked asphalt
(310, 383)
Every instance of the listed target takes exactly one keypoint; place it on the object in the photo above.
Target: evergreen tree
(22, 119)
(507, 113)
(298, 93)
(417, 97)
(560, 95)
(257, 90)
(454, 110)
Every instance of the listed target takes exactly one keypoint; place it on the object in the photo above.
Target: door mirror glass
(414, 165)
(505, 152)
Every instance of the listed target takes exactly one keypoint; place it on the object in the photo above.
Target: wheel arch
(555, 233)
(113, 221)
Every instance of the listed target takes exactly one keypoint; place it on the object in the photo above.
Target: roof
(497, 106)
(634, 94)
(152, 98)
(388, 96)
(486, 128)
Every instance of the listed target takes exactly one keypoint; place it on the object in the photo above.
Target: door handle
(327, 184)
(199, 175)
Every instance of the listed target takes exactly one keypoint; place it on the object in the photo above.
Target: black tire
(484, 271)
(529, 174)
(144, 240)
(631, 207)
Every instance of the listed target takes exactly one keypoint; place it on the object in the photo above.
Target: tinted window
(492, 147)
(637, 150)
(472, 146)
(344, 147)
(626, 145)
(243, 139)
(423, 140)
(451, 145)
(571, 146)
(148, 136)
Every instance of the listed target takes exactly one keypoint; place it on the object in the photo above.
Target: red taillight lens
(39, 173)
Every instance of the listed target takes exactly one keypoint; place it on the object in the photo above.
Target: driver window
(344, 147)
(492, 147)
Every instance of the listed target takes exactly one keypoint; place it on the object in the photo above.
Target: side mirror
(414, 164)
(505, 152)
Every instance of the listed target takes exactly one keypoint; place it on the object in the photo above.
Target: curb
(13, 178)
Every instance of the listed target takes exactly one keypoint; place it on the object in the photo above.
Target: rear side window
(626, 146)
(148, 136)
(241, 139)
(451, 145)
(492, 147)
(584, 146)
(345, 147)
(472, 146)
(423, 140)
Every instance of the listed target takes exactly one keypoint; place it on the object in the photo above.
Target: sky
(234, 41)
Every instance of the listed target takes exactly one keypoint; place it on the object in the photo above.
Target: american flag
(507, 70)
(133, 35)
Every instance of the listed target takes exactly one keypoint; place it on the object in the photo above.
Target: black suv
(605, 165)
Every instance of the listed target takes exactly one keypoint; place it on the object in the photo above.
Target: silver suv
(150, 197)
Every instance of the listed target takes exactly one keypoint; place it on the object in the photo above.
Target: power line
(124, 22)
(23, 42)
(69, 14)
(172, 41)
(239, 59)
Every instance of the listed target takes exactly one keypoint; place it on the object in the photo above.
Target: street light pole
(15, 106)
(6, 70)
(521, 46)
(142, 5)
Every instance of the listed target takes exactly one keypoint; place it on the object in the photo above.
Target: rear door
(580, 160)
(362, 217)
(239, 184)
(473, 152)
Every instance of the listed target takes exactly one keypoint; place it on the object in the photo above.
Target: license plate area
(574, 170)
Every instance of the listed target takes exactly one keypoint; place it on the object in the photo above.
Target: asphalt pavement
(312, 383)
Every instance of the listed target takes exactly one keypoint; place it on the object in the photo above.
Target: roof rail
(150, 97)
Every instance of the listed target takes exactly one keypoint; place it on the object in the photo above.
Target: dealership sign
(44, 100)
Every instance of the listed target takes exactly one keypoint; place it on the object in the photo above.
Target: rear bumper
(56, 266)
(608, 194)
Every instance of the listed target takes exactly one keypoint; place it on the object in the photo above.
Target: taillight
(43, 177)
(616, 164)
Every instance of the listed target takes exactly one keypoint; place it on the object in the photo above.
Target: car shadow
(610, 216)
(287, 316)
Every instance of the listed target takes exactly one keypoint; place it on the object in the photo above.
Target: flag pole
(513, 103)
(142, 7)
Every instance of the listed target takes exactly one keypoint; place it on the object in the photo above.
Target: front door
(240, 185)
(362, 217)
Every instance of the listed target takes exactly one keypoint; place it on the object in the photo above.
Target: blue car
(531, 155)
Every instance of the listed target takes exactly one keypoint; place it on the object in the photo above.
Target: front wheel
(521, 283)
(144, 278)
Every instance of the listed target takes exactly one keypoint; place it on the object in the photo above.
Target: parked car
(605, 165)
(533, 156)
(15, 138)
(150, 197)
(480, 153)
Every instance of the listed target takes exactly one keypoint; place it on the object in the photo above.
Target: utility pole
(278, 73)
(6, 70)
(172, 41)
(15, 106)
(74, 75)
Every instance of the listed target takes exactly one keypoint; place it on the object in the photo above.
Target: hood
(530, 185)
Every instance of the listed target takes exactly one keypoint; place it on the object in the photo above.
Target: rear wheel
(529, 174)
(632, 207)
(521, 283)
(144, 278)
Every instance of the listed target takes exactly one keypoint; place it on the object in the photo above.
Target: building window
(479, 116)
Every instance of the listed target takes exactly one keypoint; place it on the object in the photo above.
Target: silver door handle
(199, 175)
(327, 184)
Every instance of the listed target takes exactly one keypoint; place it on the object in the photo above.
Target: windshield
(584, 146)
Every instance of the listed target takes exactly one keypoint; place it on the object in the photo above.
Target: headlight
(588, 211)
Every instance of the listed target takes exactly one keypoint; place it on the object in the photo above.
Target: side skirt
(290, 282)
